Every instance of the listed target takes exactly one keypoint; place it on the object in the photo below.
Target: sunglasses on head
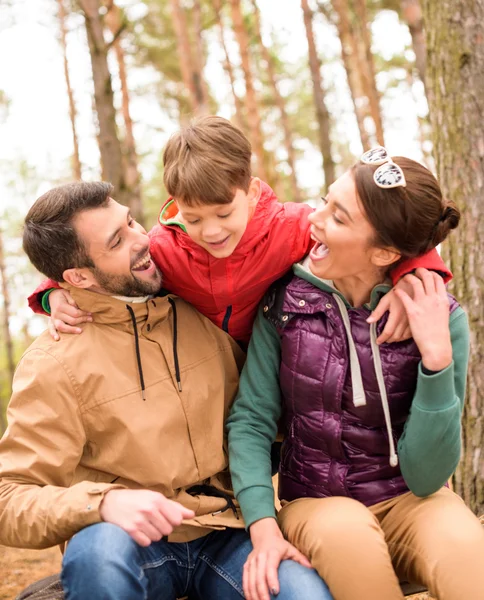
(389, 174)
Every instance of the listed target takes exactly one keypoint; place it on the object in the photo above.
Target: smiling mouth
(143, 264)
(220, 243)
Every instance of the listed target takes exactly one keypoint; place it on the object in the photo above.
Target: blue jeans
(102, 562)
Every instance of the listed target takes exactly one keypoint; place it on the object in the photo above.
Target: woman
(372, 432)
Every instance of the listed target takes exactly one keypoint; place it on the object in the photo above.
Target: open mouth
(143, 264)
(319, 251)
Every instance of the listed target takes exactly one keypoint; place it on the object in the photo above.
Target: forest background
(93, 89)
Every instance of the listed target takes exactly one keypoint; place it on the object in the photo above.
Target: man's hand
(65, 314)
(428, 316)
(147, 516)
(397, 328)
(260, 569)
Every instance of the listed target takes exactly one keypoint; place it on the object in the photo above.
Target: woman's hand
(397, 327)
(270, 548)
(65, 314)
(428, 317)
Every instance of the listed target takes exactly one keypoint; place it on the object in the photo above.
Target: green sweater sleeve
(252, 424)
(430, 446)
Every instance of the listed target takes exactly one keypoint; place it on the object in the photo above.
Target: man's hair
(50, 239)
(206, 162)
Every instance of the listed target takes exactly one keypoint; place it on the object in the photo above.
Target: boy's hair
(50, 239)
(206, 162)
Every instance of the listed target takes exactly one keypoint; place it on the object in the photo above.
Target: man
(116, 437)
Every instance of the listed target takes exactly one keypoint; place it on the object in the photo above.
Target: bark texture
(239, 107)
(76, 162)
(455, 85)
(190, 66)
(109, 145)
(322, 114)
(280, 103)
(116, 24)
(412, 15)
(253, 114)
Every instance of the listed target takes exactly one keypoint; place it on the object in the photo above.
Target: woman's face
(342, 234)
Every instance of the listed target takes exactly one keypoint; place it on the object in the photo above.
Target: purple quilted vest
(332, 447)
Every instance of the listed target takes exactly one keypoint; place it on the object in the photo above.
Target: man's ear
(79, 278)
(384, 257)
(254, 192)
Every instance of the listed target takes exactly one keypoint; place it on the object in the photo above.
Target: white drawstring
(383, 393)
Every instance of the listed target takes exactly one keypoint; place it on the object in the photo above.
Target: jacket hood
(257, 227)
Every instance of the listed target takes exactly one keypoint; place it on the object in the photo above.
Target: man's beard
(127, 285)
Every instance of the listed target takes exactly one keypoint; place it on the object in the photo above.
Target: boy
(222, 236)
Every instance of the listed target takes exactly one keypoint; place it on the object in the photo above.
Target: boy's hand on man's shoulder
(145, 515)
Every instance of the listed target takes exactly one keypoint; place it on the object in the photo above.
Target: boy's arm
(39, 454)
(429, 449)
(252, 424)
(37, 298)
(297, 215)
(430, 261)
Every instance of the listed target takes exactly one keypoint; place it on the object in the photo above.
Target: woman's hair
(412, 219)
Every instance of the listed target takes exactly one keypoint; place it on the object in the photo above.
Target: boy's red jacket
(228, 290)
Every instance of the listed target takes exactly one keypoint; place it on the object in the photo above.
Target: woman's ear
(384, 257)
(79, 278)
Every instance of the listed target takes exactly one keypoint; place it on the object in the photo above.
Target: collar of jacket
(257, 228)
(108, 309)
(301, 270)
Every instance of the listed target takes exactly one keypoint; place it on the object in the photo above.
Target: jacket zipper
(225, 322)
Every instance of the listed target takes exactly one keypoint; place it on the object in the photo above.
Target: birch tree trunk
(455, 85)
(412, 15)
(253, 115)
(76, 162)
(5, 325)
(109, 144)
(322, 115)
(279, 101)
(114, 21)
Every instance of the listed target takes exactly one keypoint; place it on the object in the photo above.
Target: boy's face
(219, 227)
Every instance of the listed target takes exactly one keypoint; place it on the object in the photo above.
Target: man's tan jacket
(79, 426)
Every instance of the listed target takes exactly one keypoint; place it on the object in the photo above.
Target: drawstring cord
(175, 344)
(383, 394)
(138, 355)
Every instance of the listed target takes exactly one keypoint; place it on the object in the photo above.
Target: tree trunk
(109, 144)
(368, 70)
(114, 21)
(253, 116)
(455, 85)
(319, 98)
(279, 100)
(349, 52)
(412, 14)
(6, 326)
(76, 162)
(191, 74)
(239, 108)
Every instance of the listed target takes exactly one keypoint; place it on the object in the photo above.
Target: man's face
(119, 248)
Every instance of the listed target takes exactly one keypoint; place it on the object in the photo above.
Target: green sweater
(428, 450)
